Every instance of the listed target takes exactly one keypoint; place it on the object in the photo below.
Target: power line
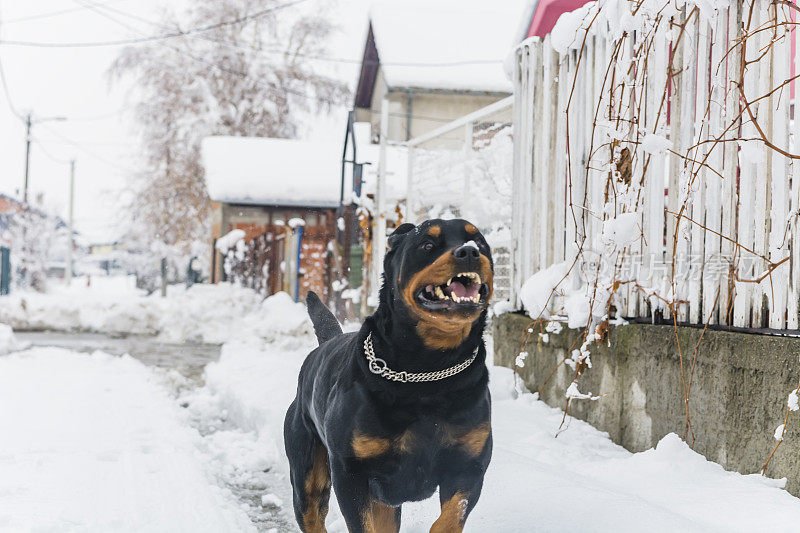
(188, 33)
(50, 156)
(97, 9)
(273, 51)
(220, 68)
(101, 116)
(84, 142)
(4, 82)
(185, 33)
(90, 153)
(47, 14)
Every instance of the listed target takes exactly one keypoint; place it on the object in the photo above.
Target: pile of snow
(532, 473)
(95, 443)
(223, 312)
(537, 293)
(203, 313)
(8, 342)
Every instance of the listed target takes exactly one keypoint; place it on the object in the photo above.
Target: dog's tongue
(457, 288)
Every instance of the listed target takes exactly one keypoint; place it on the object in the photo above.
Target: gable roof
(275, 172)
(450, 45)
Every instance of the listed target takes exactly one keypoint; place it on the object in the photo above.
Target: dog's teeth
(439, 293)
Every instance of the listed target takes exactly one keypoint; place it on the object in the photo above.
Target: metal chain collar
(378, 366)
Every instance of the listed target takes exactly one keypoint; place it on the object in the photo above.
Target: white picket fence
(649, 120)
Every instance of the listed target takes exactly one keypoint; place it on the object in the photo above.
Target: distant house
(283, 194)
(424, 65)
(433, 62)
(8, 207)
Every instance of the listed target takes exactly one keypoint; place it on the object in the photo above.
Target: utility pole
(70, 243)
(28, 124)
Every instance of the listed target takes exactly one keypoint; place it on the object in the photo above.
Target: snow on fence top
(447, 44)
(272, 171)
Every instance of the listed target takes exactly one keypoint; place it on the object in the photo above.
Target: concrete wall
(738, 397)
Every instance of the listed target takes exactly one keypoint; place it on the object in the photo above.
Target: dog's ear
(398, 234)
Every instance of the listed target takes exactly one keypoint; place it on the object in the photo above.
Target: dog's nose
(467, 252)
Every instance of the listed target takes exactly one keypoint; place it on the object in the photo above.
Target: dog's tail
(326, 326)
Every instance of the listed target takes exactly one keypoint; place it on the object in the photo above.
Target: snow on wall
(448, 44)
(272, 171)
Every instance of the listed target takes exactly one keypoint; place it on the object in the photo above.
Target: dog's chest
(408, 465)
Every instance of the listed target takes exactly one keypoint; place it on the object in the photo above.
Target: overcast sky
(99, 134)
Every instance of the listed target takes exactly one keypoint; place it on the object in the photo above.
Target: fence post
(5, 270)
(163, 277)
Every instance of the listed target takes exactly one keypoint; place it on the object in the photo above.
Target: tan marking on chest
(471, 440)
(366, 446)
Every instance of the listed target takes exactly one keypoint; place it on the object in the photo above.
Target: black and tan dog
(401, 407)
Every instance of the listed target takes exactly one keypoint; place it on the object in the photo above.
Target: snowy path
(95, 443)
(101, 443)
(580, 481)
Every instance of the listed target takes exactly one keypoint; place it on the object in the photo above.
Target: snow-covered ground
(92, 442)
(579, 481)
(96, 443)
(113, 305)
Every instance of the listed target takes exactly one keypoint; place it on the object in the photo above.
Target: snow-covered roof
(446, 44)
(255, 170)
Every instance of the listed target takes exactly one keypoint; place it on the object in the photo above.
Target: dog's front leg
(457, 501)
(462, 481)
(362, 513)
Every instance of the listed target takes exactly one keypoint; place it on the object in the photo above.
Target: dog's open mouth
(463, 291)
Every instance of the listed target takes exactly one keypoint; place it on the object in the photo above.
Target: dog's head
(441, 274)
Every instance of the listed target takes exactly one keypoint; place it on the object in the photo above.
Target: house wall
(429, 110)
(738, 394)
(258, 220)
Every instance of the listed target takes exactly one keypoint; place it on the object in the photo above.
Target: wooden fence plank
(520, 128)
(779, 113)
(702, 175)
(794, 300)
(548, 119)
(537, 154)
(561, 190)
(762, 159)
(751, 219)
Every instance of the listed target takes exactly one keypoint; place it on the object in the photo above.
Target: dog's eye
(427, 246)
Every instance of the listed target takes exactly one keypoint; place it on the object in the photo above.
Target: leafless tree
(249, 74)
